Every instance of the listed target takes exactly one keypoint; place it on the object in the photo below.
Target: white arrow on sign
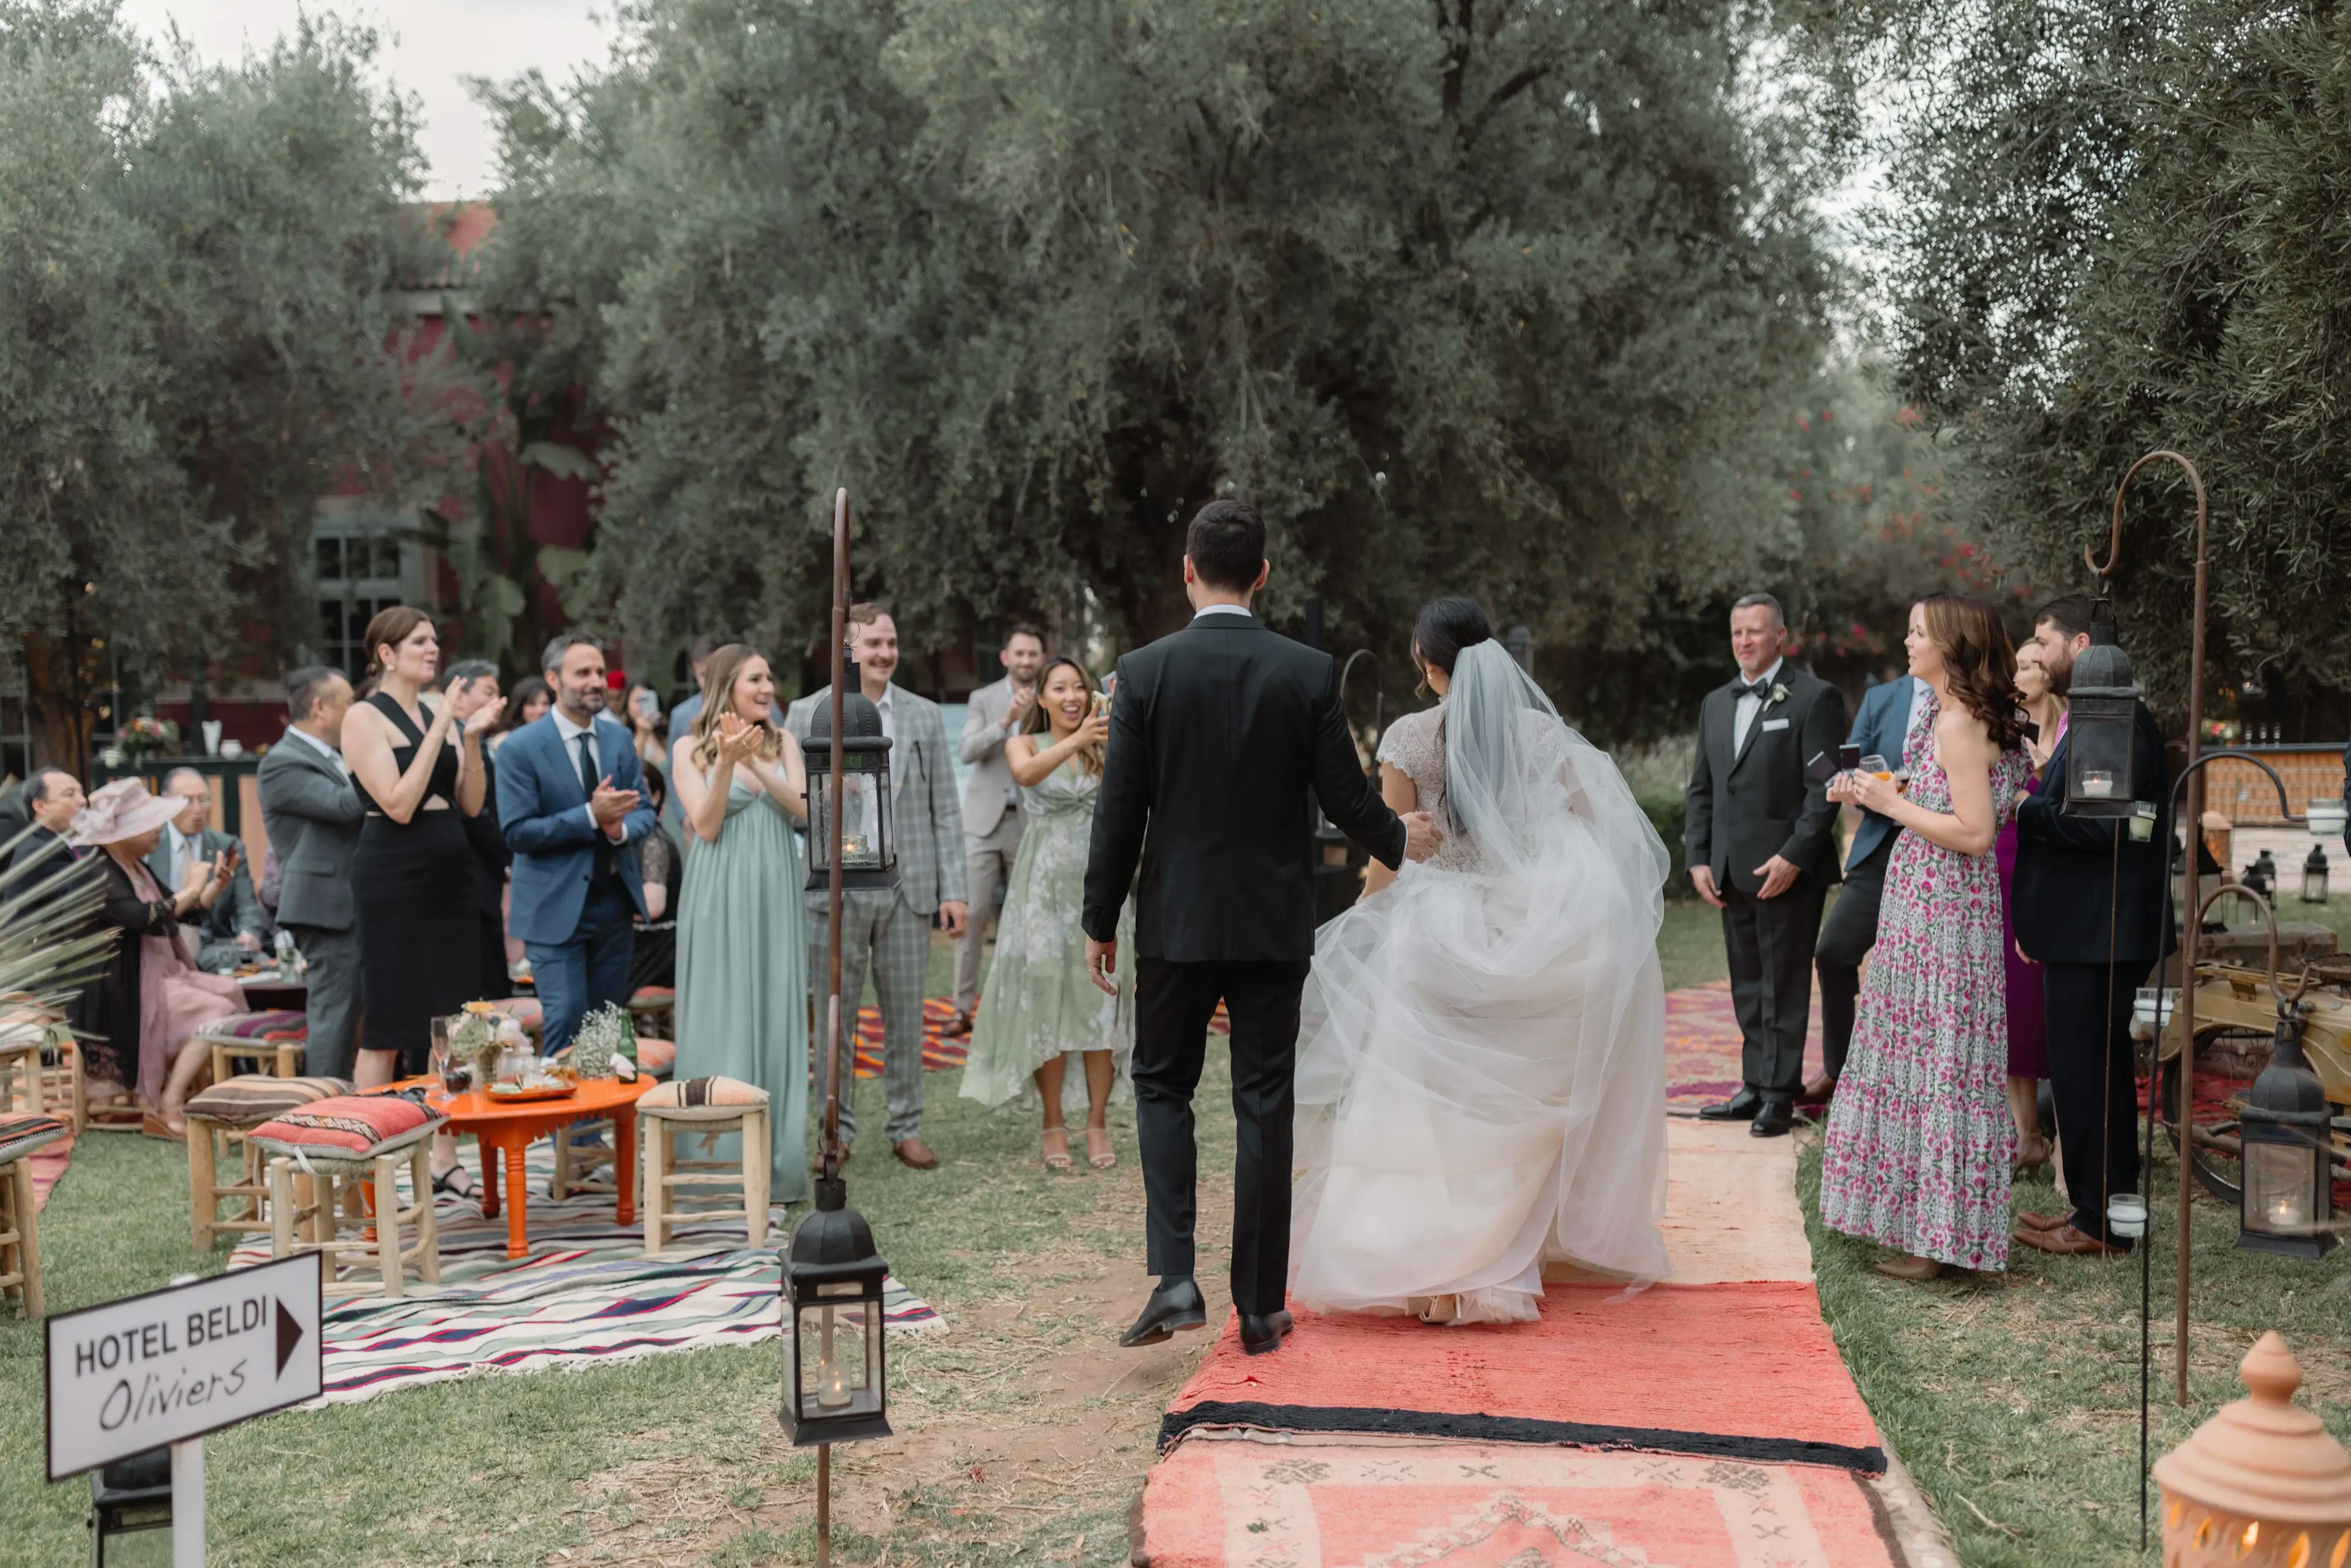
(151, 1370)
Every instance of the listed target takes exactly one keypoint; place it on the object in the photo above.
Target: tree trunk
(60, 711)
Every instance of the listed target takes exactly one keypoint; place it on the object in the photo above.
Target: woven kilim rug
(1702, 1047)
(586, 1295)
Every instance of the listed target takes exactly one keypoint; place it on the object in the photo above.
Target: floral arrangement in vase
(605, 1036)
(146, 735)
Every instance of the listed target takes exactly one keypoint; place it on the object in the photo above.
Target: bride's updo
(1444, 628)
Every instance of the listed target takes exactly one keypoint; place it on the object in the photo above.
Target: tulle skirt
(1481, 1087)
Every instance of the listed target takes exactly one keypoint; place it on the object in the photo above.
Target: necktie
(600, 865)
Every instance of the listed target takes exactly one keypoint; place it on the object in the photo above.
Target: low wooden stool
(575, 1165)
(273, 1042)
(666, 1174)
(654, 1008)
(218, 1120)
(20, 1240)
(300, 1222)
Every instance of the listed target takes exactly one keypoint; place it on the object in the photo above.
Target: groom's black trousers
(1174, 1004)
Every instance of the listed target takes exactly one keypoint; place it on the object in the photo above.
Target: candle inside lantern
(2099, 783)
(831, 1381)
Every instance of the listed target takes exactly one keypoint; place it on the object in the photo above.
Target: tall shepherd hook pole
(834, 782)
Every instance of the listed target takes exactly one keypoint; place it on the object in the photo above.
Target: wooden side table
(502, 1132)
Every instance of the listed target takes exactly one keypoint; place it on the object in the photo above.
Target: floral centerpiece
(144, 737)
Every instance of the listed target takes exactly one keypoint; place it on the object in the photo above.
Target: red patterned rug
(1702, 1046)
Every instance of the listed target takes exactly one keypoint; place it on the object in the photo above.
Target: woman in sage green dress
(742, 927)
(1039, 1005)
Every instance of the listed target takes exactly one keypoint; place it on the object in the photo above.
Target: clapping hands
(739, 741)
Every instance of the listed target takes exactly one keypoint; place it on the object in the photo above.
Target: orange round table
(503, 1129)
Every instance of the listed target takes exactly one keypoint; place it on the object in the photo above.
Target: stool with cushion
(654, 1008)
(218, 1120)
(41, 1065)
(271, 1042)
(710, 1106)
(349, 1142)
(20, 1240)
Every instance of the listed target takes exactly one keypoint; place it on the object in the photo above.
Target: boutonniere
(1779, 694)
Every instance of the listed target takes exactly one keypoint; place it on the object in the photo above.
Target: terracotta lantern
(2260, 1485)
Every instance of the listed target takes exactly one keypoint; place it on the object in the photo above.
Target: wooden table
(509, 1129)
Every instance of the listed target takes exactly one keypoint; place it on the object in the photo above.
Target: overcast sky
(428, 46)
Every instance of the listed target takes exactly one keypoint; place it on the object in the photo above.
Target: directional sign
(147, 1371)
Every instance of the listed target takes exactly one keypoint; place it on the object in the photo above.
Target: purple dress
(1920, 1137)
(2028, 1032)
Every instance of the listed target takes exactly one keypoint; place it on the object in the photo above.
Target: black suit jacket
(2067, 878)
(1746, 804)
(1221, 738)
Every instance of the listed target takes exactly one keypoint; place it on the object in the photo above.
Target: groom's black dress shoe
(1261, 1336)
(1738, 1108)
(1771, 1121)
(1171, 1308)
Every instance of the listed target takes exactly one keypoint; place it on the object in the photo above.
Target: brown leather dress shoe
(915, 1153)
(2031, 1220)
(1816, 1091)
(958, 1027)
(2066, 1241)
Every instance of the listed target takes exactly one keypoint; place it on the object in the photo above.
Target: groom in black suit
(1222, 738)
(1760, 849)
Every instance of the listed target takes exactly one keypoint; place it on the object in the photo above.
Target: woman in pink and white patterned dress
(1919, 1138)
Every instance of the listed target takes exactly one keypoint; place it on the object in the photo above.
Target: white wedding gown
(1481, 1066)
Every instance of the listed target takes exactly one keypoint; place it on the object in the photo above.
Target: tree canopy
(198, 276)
(2121, 227)
(1505, 298)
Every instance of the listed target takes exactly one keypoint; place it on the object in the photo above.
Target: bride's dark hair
(1446, 627)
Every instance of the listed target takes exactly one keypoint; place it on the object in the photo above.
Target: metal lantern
(2102, 725)
(869, 849)
(832, 1306)
(2314, 875)
(2289, 1182)
(131, 1497)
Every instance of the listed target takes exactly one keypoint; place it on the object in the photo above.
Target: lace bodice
(1414, 745)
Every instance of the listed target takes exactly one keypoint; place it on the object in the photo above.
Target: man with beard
(2088, 903)
(571, 802)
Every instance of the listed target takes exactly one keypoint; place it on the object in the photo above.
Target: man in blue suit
(1879, 728)
(570, 803)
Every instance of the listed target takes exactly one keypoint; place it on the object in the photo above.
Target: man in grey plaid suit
(892, 931)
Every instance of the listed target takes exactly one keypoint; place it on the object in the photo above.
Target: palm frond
(51, 945)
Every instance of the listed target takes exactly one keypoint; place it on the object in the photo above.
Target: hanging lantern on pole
(2287, 1200)
(2101, 724)
(832, 1308)
(867, 841)
(2314, 875)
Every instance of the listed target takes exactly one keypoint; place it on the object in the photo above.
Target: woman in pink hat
(149, 993)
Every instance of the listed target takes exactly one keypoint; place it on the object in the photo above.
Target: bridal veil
(1480, 1072)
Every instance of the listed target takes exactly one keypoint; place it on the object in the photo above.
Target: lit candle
(831, 1381)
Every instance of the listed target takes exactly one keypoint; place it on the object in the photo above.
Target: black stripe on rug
(1375, 1422)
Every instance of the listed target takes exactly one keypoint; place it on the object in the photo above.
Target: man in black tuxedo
(1760, 849)
(1222, 738)
(2088, 904)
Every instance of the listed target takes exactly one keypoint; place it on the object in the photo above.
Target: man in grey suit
(234, 927)
(312, 815)
(991, 801)
(891, 931)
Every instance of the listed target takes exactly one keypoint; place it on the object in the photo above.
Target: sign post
(165, 1368)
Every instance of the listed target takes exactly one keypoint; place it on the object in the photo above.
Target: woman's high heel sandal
(2031, 1159)
(1057, 1159)
(1099, 1153)
(1437, 1308)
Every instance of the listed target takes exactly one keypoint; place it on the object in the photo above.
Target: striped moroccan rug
(586, 1295)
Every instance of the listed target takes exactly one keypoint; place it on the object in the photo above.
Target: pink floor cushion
(258, 1097)
(525, 1010)
(261, 1029)
(21, 1133)
(347, 1126)
(694, 1092)
(656, 1056)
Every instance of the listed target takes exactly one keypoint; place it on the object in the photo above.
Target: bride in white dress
(1481, 1070)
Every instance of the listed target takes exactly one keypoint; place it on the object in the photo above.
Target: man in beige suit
(991, 802)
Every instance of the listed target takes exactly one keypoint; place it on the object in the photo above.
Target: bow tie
(1759, 690)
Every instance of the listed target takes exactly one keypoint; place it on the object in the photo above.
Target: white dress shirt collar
(1768, 676)
(321, 746)
(569, 732)
(1207, 610)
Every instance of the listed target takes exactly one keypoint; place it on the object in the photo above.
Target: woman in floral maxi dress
(1920, 1138)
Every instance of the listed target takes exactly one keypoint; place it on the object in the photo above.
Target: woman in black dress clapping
(413, 876)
